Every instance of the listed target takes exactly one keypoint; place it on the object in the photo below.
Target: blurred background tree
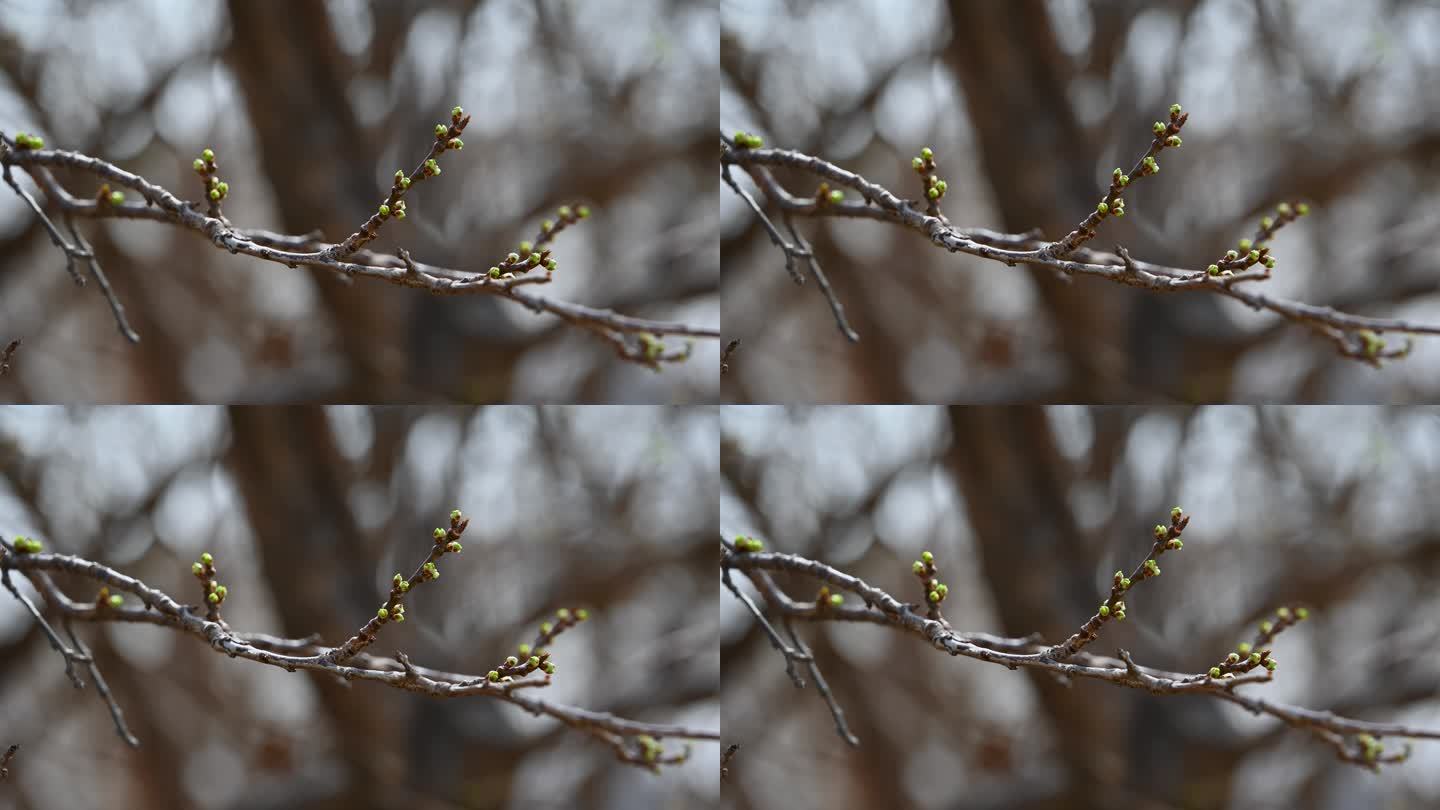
(308, 512)
(1029, 105)
(1029, 511)
(312, 105)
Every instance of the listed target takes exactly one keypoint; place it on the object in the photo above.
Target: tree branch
(1355, 741)
(1354, 336)
(633, 742)
(636, 340)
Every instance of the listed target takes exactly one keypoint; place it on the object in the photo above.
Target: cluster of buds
(25, 140)
(204, 570)
(935, 590)
(824, 194)
(205, 166)
(746, 543)
(924, 165)
(27, 545)
(747, 140)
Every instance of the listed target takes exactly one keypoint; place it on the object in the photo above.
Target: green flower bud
(582, 614)
(1231, 255)
(117, 197)
(1245, 245)
(494, 272)
(214, 598)
(1302, 613)
(1232, 658)
(384, 210)
(524, 650)
(933, 193)
(927, 154)
(548, 667)
(197, 569)
(534, 661)
(1102, 208)
(837, 196)
(1214, 672)
(1254, 256)
(1175, 544)
(208, 155)
(1266, 223)
(207, 559)
(547, 226)
(926, 557)
(1302, 209)
(917, 164)
(439, 534)
(1177, 513)
(1283, 613)
(942, 589)
(550, 264)
(836, 600)
(583, 212)
(933, 596)
(199, 165)
(563, 614)
(546, 628)
(1266, 627)
(382, 613)
(942, 185)
(1283, 209)
(1174, 109)
(215, 194)
(1270, 664)
(222, 590)
(116, 600)
(404, 585)
(1213, 269)
(1254, 658)
(1119, 615)
(1125, 584)
(1243, 648)
(1161, 531)
(1158, 128)
(440, 130)
(493, 676)
(453, 547)
(399, 617)
(1124, 180)
(456, 144)
(533, 260)
(1104, 610)
(404, 182)
(1269, 262)
(1173, 141)
(457, 113)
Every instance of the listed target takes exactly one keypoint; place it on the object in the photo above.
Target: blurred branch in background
(312, 106)
(295, 521)
(1310, 529)
(1032, 105)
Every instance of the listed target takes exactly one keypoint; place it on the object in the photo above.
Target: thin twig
(103, 689)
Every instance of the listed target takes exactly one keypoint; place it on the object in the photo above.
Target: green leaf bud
(1213, 269)
(1232, 658)
(546, 628)
(1254, 658)
(917, 164)
(198, 165)
(534, 661)
(1104, 610)
(382, 613)
(440, 130)
(1175, 109)
(116, 600)
(215, 194)
(1231, 255)
(1125, 584)
(208, 155)
(1161, 531)
(197, 569)
(1173, 141)
(933, 596)
(1302, 208)
(926, 557)
(492, 676)
(582, 614)
(1243, 648)
(207, 559)
(1254, 256)
(1266, 223)
(550, 264)
(548, 667)
(1266, 627)
(1270, 664)
(214, 598)
(457, 113)
(456, 144)
(933, 193)
(438, 534)
(384, 210)
(927, 154)
(1102, 208)
(837, 196)
(1158, 128)
(1214, 672)
(494, 272)
(583, 212)
(1302, 613)
(836, 600)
